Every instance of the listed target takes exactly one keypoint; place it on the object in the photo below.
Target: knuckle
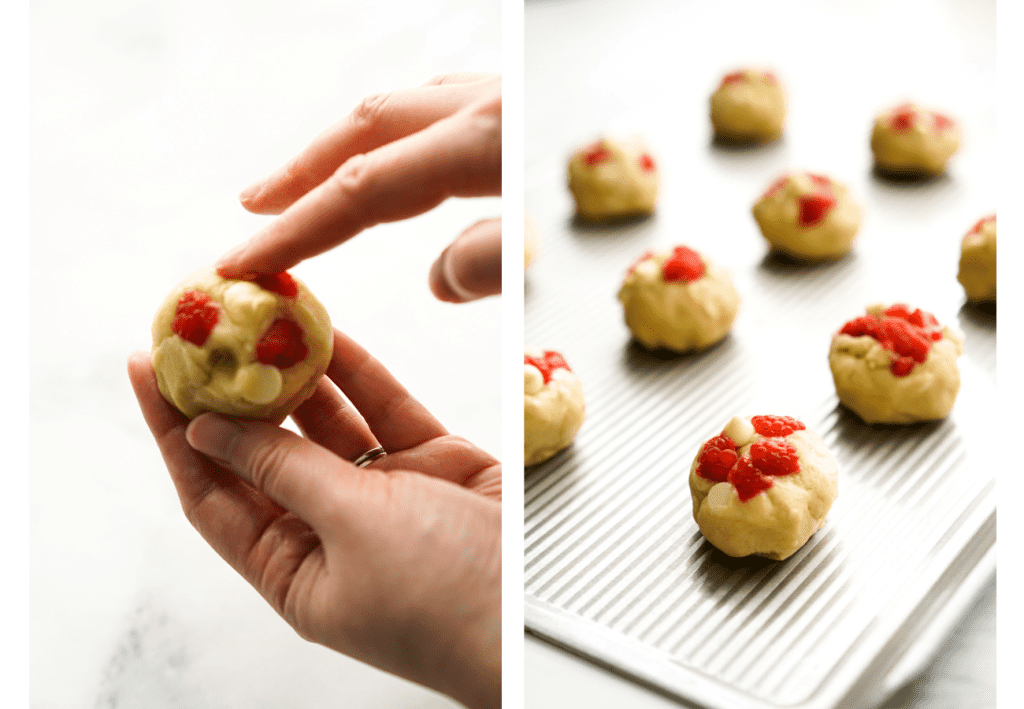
(266, 460)
(371, 111)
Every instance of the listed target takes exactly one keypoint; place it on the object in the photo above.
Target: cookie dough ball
(978, 261)
(531, 238)
(253, 349)
(678, 299)
(913, 141)
(612, 180)
(763, 486)
(896, 365)
(807, 216)
(553, 405)
(748, 106)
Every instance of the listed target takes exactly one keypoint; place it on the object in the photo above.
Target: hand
(396, 156)
(397, 564)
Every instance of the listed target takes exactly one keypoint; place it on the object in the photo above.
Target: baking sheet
(615, 566)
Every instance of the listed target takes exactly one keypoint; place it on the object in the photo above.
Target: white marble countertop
(147, 120)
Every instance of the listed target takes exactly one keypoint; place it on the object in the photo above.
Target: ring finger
(327, 419)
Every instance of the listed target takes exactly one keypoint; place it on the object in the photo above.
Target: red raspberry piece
(595, 154)
(981, 223)
(643, 257)
(772, 426)
(906, 333)
(646, 163)
(775, 456)
(820, 180)
(683, 266)
(770, 77)
(717, 458)
(547, 363)
(814, 207)
(282, 345)
(734, 77)
(903, 119)
(775, 186)
(195, 317)
(942, 122)
(901, 366)
(748, 480)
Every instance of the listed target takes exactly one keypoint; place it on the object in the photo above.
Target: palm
(386, 563)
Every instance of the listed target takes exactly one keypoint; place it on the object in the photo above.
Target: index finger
(458, 156)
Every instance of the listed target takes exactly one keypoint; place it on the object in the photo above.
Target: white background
(147, 119)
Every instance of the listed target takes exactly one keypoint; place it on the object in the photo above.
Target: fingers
(470, 268)
(327, 419)
(397, 419)
(289, 469)
(252, 533)
(458, 156)
(376, 121)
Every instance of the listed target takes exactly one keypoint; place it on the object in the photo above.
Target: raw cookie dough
(553, 405)
(914, 141)
(978, 261)
(808, 216)
(678, 299)
(531, 238)
(748, 106)
(252, 349)
(763, 486)
(612, 180)
(896, 365)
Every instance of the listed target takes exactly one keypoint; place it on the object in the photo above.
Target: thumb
(470, 268)
(292, 471)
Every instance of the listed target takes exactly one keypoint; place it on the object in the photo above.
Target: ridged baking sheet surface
(615, 567)
(615, 564)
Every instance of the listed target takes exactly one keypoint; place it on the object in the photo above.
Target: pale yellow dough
(622, 183)
(751, 108)
(978, 262)
(679, 316)
(553, 412)
(777, 214)
(865, 384)
(923, 148)
(774, 523)
(223, 375)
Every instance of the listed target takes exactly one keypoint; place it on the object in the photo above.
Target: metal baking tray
(615, 567)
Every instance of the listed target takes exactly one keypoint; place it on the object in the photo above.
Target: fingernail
(250, 192)
(214, 436)
(225, 264)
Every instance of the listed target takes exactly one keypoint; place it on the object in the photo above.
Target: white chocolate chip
(246, 302)
(720, 495)
(533, 380)
(740, 430)
(258, 383)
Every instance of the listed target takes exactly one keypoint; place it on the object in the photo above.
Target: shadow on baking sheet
(640, 359)
(578, 226)
(778, 263)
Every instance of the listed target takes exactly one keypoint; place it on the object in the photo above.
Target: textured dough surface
(679, 316)
(914, 141)
(774, 523)
(612, 180)
(778, 216)
(553, 412)
(978, 262)
(865, 384)
(223, 375)
(748, 106)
